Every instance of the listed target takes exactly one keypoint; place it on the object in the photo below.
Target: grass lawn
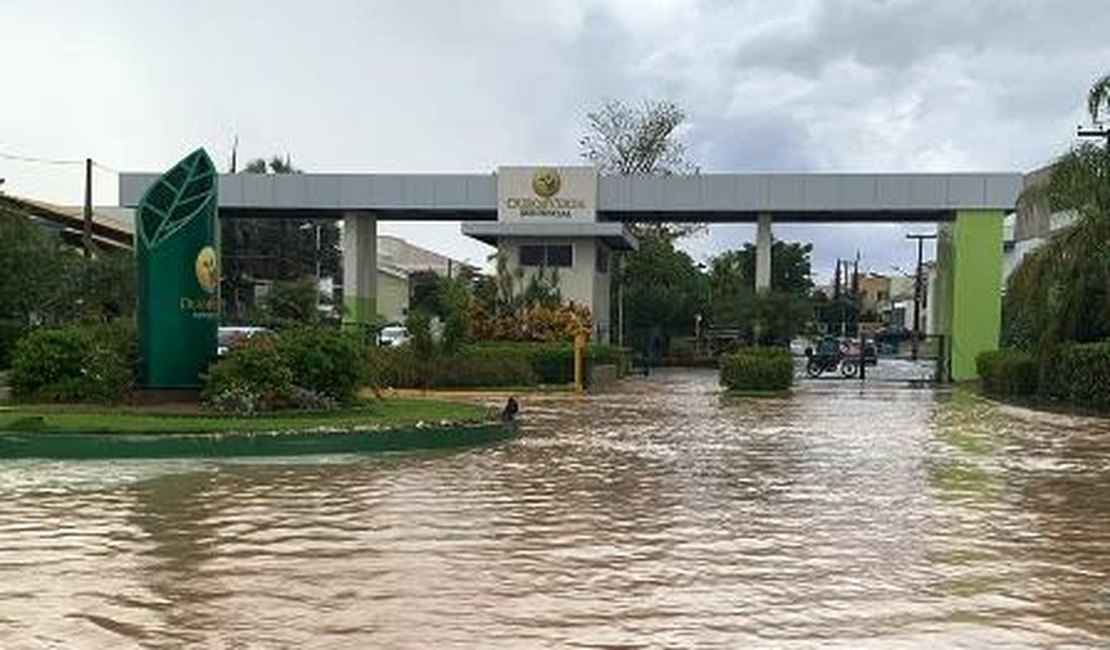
(386, 412)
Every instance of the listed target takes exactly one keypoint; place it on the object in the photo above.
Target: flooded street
(660, 514)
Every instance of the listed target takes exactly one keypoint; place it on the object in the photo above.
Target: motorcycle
(839, 361)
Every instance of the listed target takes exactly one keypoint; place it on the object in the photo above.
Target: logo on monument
(207, 268)
(546, 182)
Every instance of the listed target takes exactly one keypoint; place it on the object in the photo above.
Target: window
(553, 255)
(561, 256)
(602, 259)
(532, 255)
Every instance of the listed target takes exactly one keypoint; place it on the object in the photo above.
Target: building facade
(547, 227)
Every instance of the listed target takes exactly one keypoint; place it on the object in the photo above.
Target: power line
(54, 161)
(45, 161)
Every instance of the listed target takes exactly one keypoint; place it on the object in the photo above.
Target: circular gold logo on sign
(546, 182)
(207, 268)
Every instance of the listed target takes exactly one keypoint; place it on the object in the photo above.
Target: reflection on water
(660, 514)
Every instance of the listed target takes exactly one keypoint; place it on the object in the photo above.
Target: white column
(360, 268)
(763, 253)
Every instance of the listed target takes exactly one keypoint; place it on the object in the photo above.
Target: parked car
(229, 337)
(393, 336)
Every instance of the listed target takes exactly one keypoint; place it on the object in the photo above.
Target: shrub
(758, 369)
(76, 363)
(1007, 372)
(1085, 370)
(324, 361)
(252, 377)
(10, 332)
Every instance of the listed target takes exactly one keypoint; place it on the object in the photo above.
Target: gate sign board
(533, 194)
(179, 274)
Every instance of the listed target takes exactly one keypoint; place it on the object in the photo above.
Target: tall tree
(623, 140)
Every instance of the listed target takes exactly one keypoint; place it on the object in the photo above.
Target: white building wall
(393, 296)
(581, 283)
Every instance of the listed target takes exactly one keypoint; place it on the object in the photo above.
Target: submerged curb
(66, 445)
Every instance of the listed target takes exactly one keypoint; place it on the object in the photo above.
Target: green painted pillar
(179, 275)
(360, 269)
(969, 289)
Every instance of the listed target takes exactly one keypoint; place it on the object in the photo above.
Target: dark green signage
(179, 276)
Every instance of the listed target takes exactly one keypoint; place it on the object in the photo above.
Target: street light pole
(917, 292)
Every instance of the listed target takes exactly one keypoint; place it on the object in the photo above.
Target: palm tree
(1061, 291)
(1098, 98)
(276, 165)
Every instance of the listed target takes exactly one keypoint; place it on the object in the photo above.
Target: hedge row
(1078, 373)
(400, 368)
(758, 369)
(1007, 372)
(1085, 370)
(487, 364)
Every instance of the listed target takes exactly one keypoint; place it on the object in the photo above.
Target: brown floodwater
(660, 514)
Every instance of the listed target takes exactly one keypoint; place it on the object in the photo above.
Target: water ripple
(662, 514)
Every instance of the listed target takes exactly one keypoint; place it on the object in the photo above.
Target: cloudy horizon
(808, 86)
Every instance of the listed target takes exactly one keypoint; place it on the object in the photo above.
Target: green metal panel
(179, 275)
(975, 315)
(360, 310)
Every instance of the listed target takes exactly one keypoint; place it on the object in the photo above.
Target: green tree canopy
(664, 290)
(48, 282)
(1061, 291)
(777, 315)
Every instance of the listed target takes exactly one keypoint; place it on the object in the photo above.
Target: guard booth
(547, 224)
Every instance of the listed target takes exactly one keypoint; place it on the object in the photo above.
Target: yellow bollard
(579, 359)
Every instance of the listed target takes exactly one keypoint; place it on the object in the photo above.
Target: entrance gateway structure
(572, 219)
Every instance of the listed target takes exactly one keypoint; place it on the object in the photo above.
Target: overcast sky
(422, 86)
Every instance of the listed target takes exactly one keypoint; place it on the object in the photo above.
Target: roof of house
(109, 227)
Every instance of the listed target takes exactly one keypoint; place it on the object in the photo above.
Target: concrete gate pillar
(969, 288)
(360, 268)
(763, 253)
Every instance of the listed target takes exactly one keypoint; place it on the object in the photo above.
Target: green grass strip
(387, 412)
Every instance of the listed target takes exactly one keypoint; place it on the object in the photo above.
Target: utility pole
(859, 311)
(917, 289)
(620, 301)
(86, 238)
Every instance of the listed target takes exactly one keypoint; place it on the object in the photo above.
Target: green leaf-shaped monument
(179, 195)
(179, 274)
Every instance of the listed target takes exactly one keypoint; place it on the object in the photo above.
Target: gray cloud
(850, 85)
